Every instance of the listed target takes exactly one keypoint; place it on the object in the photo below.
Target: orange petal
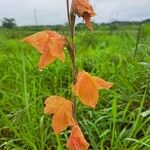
(38, 40)
(50, 44)
(102, 84)
(76, 140)
(57, 45)
(54, 103)
(61, 120)
(83, 9)
(86, 89)
(46, 59)
(81, 6)
(87, 19)
(57, 50)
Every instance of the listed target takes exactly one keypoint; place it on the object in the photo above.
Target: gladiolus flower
(83, 9)
(50, 44)
(76, 140)
(86, 88)
(62, 113)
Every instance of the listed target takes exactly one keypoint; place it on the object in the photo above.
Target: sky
(54, 11)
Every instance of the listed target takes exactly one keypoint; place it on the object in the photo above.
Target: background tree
(8, 23)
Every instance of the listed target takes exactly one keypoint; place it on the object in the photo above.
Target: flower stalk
(71, 21)
(50, 45)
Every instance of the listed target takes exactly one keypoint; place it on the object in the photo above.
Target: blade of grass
(114, 115)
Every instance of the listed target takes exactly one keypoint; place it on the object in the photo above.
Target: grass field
(121, 120)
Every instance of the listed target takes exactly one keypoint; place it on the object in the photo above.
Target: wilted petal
(76, 140)
(83, 9)
(87, 19)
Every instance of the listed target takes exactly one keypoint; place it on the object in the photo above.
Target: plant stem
(71, 21)
(68, 14)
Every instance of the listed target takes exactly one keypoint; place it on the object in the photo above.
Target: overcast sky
(54, 11)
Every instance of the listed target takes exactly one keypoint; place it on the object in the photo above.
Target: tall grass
(122, 117)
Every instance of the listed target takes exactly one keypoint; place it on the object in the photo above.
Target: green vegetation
(121, 120)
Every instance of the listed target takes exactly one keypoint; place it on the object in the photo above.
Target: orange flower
(83, 9)
(62, 110)
(86, 88)
(50, 44)
(76, 140)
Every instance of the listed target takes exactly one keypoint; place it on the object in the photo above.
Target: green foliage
(121, 119)
(8, 23)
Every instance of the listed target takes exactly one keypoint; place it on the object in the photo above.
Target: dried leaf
(83, 9)
(86, 88)
(50, 44)
(76, 140)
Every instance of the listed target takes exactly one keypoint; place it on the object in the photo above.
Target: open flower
(62, 113)
(50, 44)
(86, 88)
(83, 9)
(76, 140)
